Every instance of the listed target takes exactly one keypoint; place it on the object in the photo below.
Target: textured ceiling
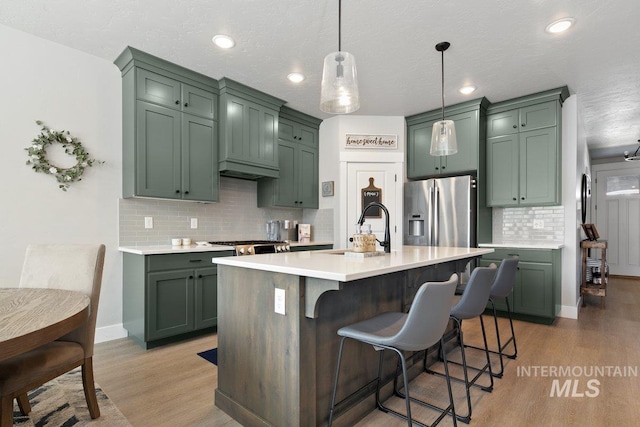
(498, 45)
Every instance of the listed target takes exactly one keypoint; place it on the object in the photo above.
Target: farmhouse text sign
(371, 141)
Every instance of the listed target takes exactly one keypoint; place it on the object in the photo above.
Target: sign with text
(371, 194)
(371, 141)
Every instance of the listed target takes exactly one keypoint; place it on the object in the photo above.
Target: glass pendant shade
(443, 138)
(339, 90)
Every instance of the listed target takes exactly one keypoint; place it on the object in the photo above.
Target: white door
(384, 176)
(617, 218)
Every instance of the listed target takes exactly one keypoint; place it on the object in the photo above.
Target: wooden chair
(57, 266)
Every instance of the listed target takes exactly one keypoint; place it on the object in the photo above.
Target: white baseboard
(570, 312)
(108, 333)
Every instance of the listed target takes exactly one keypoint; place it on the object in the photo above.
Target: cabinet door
(153, 87)
(538, 116)
(466, 159)
(420, 162)
(158, 151)
(199, 102)
(307, 177)
(286, 130)
(206, 297)
(505, 123)
(534, 289)
(308, 136)
(538, 167)
(502, 171)
(199, 159)
(286, 187)
(170, 299)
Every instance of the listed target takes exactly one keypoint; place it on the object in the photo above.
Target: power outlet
(279, 301)
(194, 222)
(538, 224)
(148, 222)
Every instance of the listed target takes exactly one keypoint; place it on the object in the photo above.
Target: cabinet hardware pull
(436, 168)
(177, 102)
(190, 277)
(523, 198)
(524, 124)
(195, 260)
(186, 104)
(514, 199)
(443, 167)
(177, 191)
(515, 126)
(186, 192)
(200, 276)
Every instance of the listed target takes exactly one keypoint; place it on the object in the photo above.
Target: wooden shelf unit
(588, 287)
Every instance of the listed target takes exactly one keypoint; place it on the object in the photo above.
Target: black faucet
(386, 244)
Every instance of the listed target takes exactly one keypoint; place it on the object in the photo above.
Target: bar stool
(501, 288)
(420, 328)
(471, 305)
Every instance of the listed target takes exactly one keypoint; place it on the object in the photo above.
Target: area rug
(61, 402)
(210, 355)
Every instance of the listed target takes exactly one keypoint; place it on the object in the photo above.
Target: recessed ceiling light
(466, 90)
(295, 77)
(224, 42)
(560, 26)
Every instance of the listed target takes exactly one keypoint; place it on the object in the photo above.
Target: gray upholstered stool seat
(420, 328)
(471, 305)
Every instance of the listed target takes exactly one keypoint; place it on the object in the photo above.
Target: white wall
(575, 162)
(71, 90)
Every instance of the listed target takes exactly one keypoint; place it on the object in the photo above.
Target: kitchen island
(277, 369)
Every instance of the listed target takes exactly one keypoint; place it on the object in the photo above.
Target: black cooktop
(246, 242)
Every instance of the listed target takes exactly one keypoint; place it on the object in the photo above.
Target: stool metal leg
(335, 383)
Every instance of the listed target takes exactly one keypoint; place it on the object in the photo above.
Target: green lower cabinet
(168, 297)
(536, 293)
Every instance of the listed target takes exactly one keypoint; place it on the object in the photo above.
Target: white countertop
(168, 249)
(523, 245)
(334, 265)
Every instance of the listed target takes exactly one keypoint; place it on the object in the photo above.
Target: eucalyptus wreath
(38, 156)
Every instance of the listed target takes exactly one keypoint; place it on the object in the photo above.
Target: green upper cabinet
(469, 119)
(248, 131)
(297, 186)
(524, 150)
(170, 130)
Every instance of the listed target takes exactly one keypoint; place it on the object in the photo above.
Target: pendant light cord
(339, 25)
(442, 52)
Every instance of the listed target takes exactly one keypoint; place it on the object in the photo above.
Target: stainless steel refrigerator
(440, 212)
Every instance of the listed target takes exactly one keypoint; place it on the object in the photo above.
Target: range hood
(248, 132)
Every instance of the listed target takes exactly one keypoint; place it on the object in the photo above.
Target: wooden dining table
(31, 317)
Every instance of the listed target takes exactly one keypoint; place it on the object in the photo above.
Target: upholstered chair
(58, 266)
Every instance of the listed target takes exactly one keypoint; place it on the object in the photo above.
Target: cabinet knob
(186, 104)
(190, 277)
(522, 198)
(177, 102)
(523, 124)
(177, 191)
(514, 199)
(186, 192)
(199, 276)
(437, 168)
(443, 167)
(515, 126)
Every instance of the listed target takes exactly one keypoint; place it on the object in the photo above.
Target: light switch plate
(194, 222)
(148, 222)
(279, 301)
(538, 224)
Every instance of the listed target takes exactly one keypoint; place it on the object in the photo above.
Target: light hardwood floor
(172, 386)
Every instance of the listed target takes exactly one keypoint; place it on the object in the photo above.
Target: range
(256, 247)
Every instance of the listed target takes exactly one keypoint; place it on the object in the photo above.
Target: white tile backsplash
(516, 225)
(235, 217)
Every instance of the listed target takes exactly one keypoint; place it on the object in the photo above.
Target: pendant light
(443, 136)
(339, 91)
(633, 158)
